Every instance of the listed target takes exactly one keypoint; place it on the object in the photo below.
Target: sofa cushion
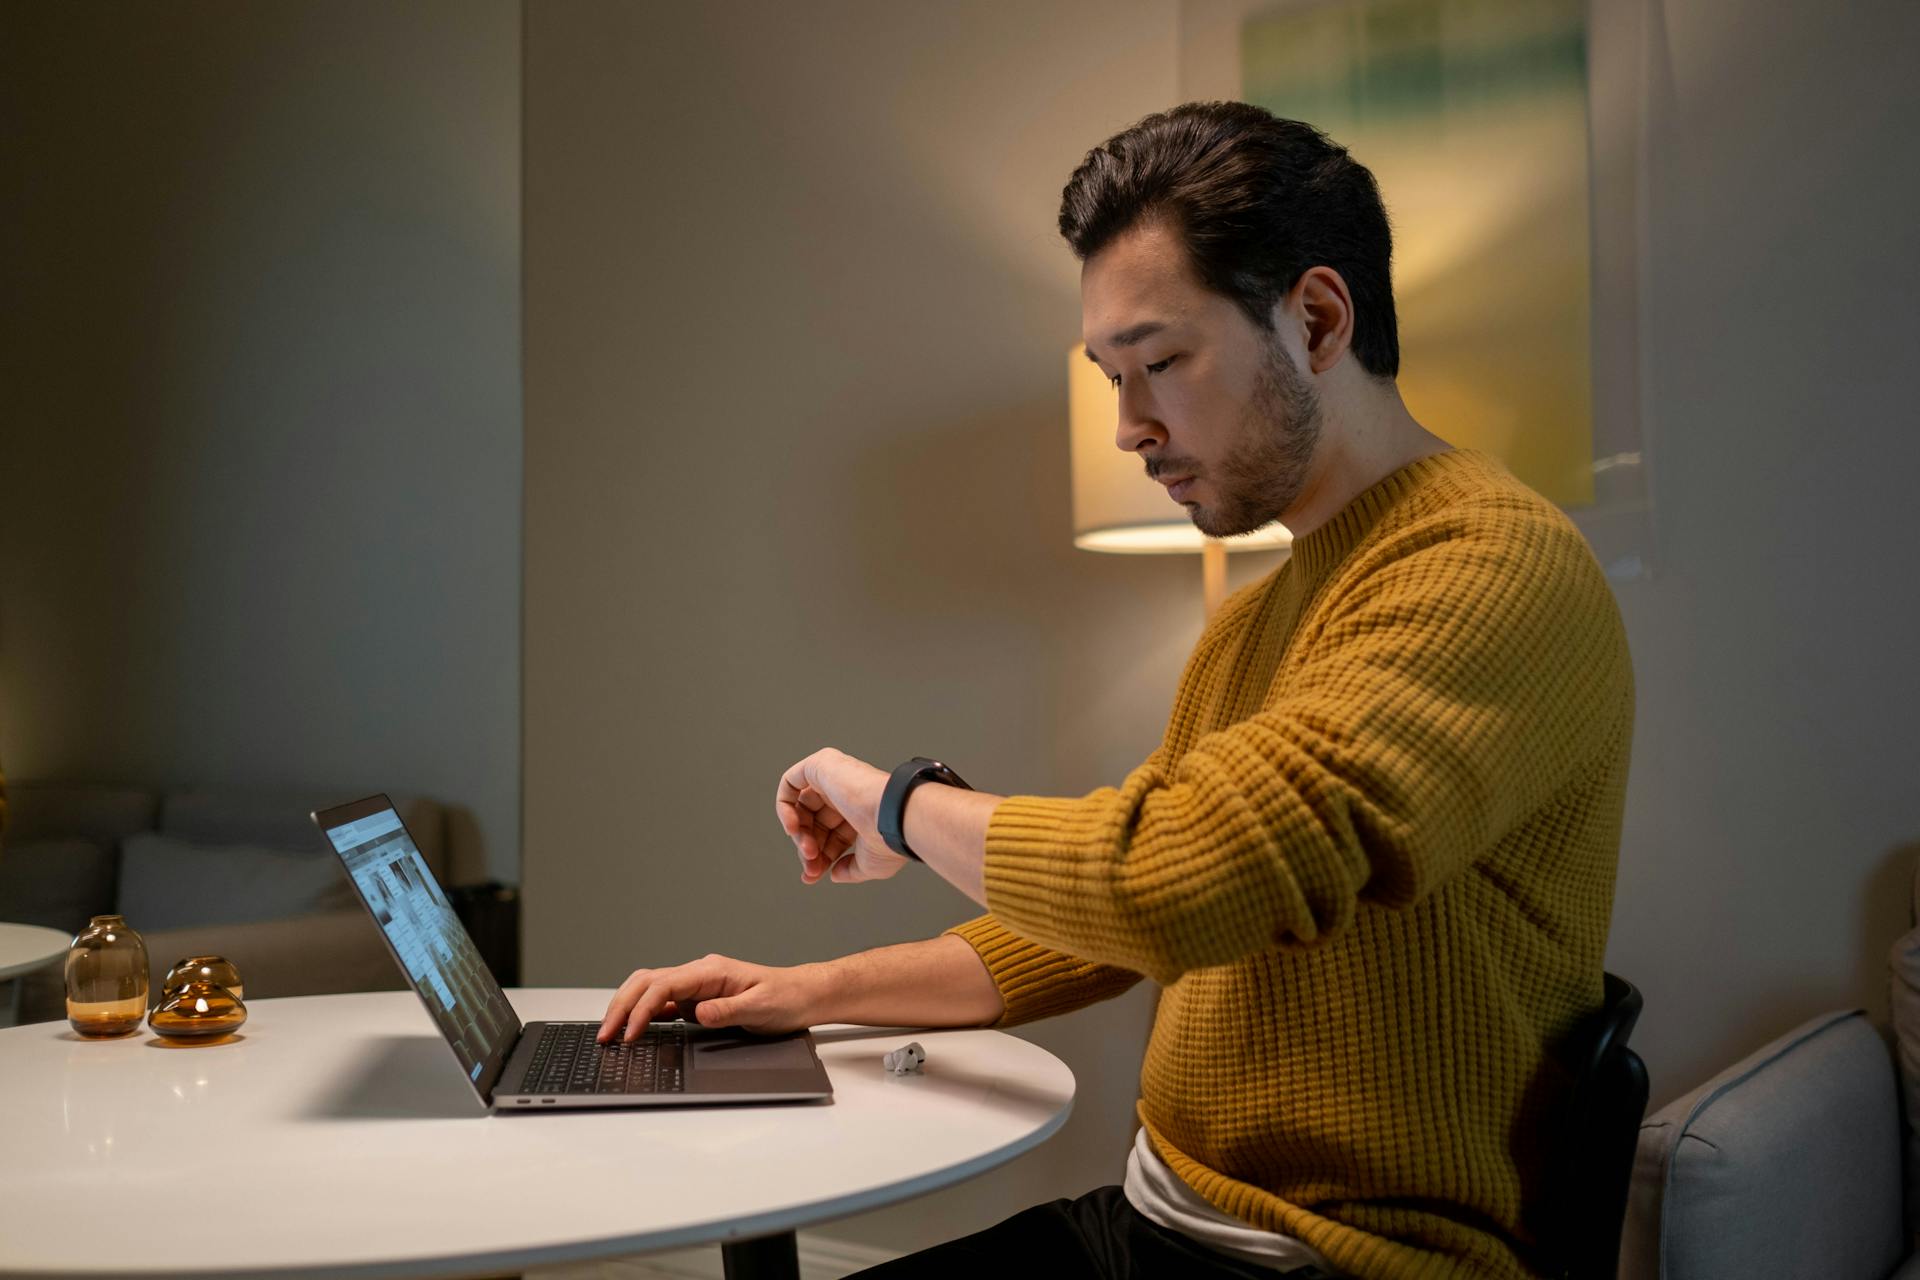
(307, 955)
(59, 883)
(170, 883)
(1785, 1164)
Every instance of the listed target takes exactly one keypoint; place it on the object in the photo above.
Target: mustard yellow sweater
(1371, 864)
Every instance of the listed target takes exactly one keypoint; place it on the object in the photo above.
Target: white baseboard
(821, 1258)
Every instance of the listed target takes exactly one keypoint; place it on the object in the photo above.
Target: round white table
(334, 1136)
(24, 948)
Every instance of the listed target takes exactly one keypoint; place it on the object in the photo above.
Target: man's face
(1217, 409)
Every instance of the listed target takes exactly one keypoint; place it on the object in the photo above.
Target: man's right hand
(722, 992)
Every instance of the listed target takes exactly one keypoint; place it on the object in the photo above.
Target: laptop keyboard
(567, 1059)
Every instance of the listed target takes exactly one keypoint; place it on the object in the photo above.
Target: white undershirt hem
(1162, 1198)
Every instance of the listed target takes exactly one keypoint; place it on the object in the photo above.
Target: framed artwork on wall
(1504, 135)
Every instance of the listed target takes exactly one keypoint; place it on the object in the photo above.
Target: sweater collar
(1317, 552)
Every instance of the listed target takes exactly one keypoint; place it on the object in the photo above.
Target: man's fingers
(808, 815)
(821, 807)
(622, 1003)
(648, 1007)
(818, 855)
(799, 775)
(819, 845)
(812, 849)
(687, 985)
(714, 1013)
(650, 994)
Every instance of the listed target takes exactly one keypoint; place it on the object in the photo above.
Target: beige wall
(1773, 821)
(260, 469)
(796, 475)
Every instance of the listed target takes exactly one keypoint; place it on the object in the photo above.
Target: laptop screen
(426, 936)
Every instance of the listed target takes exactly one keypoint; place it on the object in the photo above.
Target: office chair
(1590, 1164)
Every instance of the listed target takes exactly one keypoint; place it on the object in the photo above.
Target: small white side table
(24, 948)
(334, 1137)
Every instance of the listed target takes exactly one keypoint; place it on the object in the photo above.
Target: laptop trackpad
(752, 1055)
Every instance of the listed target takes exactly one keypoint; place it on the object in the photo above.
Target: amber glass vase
(107, 979)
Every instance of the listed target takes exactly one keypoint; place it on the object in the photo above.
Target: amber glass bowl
(197, 1010)
(215, 969)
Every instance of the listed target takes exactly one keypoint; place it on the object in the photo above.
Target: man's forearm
(947, 827)
(941, 982)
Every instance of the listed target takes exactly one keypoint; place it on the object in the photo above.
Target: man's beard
(1266, 471)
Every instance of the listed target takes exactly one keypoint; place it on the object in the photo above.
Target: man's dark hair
(1257, 199)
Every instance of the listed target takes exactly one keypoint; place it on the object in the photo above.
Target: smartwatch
(900, 785)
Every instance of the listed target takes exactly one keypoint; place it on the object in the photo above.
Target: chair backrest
(1590, 1163)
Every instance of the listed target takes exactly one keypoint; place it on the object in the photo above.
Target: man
(1372, 862)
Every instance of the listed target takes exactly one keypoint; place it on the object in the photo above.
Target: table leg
(774, 1257)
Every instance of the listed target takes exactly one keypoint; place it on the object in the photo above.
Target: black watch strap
(900, 785)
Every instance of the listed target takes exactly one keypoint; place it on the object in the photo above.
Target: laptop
(545, 1065)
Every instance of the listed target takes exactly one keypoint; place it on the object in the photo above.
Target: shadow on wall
(1887, 911)
(1885, 914)
(263, 345)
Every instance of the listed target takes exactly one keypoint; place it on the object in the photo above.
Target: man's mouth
(1177, 489)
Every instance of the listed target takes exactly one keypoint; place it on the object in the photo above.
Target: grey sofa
(1785, 1165)
(242, 874)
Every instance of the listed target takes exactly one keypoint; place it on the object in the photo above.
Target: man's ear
(1319, 308)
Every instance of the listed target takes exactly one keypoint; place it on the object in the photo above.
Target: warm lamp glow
(1115, 507)
(1169, 539)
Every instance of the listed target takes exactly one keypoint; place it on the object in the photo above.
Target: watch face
(949, 777)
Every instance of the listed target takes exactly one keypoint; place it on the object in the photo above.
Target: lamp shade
(1115, 507)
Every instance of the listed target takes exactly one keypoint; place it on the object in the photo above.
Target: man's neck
(1357, 450)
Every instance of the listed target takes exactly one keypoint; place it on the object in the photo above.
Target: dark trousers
(1100, 1236)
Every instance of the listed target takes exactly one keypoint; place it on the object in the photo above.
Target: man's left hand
(829, 803)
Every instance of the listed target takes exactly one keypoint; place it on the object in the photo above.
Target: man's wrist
(873, 785)
(903, 783)
(822, 994)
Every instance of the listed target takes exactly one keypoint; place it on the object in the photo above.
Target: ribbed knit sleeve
(1451, 685)
(1035, 982)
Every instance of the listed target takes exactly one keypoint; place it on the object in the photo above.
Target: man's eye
(1158, 366)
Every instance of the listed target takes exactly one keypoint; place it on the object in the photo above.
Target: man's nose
(1138, 428)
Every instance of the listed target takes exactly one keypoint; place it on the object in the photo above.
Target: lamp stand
(1213, 575)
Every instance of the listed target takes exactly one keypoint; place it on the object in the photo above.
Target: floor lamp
(1117, 509)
